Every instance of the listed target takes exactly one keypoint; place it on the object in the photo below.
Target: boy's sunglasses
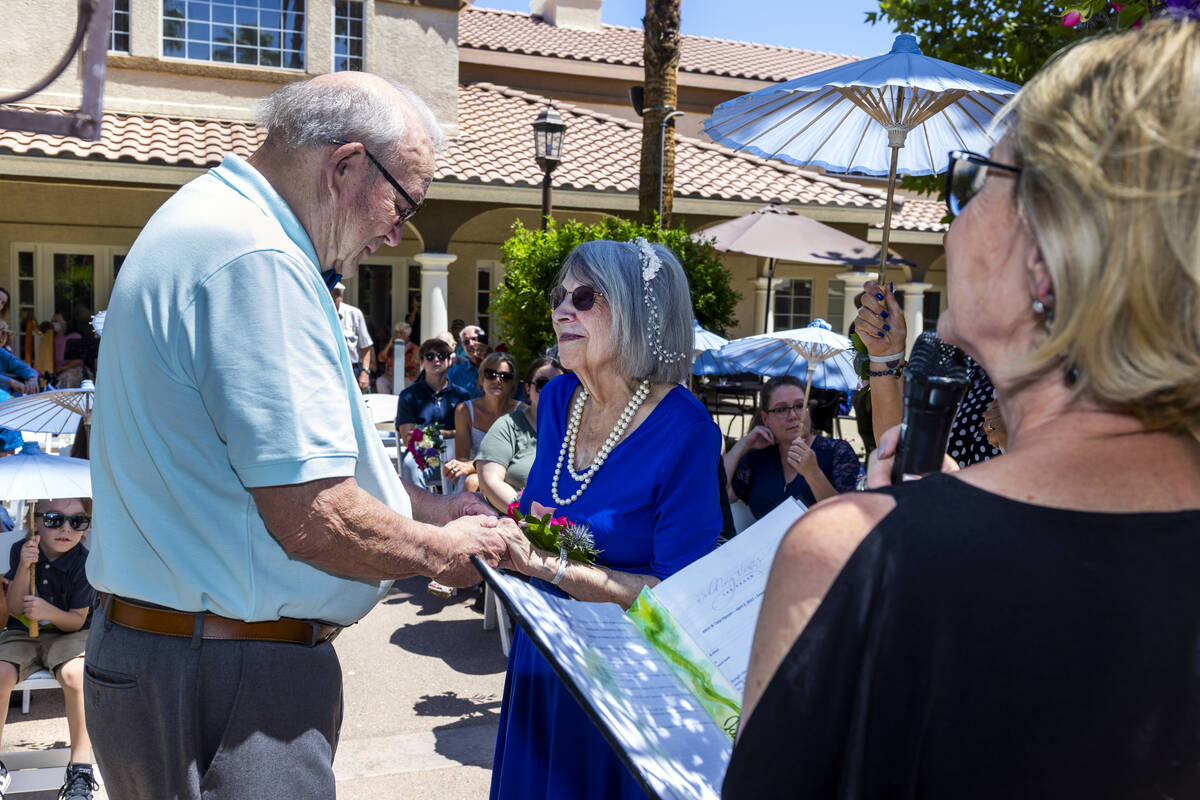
(436, 356)
(966, 176)
(55, 519)
(582, 297)
(493, 375)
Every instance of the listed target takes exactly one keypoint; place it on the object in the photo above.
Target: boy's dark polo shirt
(62, 582)
(420, 405)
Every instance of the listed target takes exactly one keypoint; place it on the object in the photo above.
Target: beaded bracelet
(897, 371)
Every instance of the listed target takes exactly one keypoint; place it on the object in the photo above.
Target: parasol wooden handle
(33, 626)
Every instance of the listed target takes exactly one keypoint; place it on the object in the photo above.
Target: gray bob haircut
(314, 113)
(615, 270)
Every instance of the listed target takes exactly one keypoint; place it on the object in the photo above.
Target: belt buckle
(329, 636)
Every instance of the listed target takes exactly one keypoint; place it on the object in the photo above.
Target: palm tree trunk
(661, 53)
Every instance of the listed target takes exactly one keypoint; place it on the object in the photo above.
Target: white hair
(314, 113)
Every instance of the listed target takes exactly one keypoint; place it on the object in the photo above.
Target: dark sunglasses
(492, 375)
(966, 175)
(436, 356)
(582, 297)
(405, 214)
(540, 383)
(55, 519)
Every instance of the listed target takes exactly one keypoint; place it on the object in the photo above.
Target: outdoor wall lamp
(548, 132)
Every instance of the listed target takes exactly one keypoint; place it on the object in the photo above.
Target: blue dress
(654, 508)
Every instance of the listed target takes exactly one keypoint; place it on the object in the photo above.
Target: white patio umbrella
(826, 357)
(844, 119)
(49, 412)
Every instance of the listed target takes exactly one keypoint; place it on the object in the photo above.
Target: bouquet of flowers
(557, 534)
(426, 445)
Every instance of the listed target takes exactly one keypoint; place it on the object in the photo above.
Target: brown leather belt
(169, 622)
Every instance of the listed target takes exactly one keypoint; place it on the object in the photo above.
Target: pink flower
(1071, 19)
(512, 508)
(559, 521)
(1117, 6)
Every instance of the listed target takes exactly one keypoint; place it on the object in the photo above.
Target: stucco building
(184, 75)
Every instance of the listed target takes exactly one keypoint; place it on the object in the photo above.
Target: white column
(854, 283)
(435, 316)
(914, 310)
(760, 304)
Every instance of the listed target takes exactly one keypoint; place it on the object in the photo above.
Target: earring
(1042, 310)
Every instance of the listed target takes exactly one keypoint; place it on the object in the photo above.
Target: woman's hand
(801, 456)
(758, 438)
(880, 321)
(522, 556)
(455, 469)
(879, 463)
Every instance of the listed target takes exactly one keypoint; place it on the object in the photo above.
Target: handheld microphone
(935, 379)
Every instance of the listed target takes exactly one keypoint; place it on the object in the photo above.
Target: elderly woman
(782, 457)
(1043, 644)
(474, 418)
(506, 453)
(625, 448)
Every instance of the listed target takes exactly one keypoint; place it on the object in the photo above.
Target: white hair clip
(651, 265)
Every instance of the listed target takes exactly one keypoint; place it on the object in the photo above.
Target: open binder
(664, 680)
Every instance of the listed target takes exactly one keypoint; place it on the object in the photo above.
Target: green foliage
(532, 259)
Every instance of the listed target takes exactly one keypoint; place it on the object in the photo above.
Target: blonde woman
(1026, 627)
(474, 418)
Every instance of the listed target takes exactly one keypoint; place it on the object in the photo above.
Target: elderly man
(358, 336)
(245, 509)
(465, 375)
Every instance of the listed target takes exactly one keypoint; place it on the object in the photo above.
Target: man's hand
(25, 387)
(470, 536)
(364, 380)
(467, 504)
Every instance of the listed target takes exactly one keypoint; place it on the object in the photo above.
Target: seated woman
(506, 453)
(473, 418)
(783, 458)
(431, 400)
(1025, 627)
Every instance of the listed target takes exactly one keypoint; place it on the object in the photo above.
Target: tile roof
(514, 32)
(919, 215)
(493, 148)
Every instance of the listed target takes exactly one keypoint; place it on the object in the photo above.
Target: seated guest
(506, 452)
(473, 418)
(1025, 627)
(624, 448)
(465, 374)
(429, 400)
(783, 458)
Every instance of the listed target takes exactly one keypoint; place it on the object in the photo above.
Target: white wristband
(887, 359)
(562, 567)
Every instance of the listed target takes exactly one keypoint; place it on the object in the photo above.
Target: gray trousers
(191, 719)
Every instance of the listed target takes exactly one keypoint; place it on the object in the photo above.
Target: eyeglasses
(405, 214)
(783, 411)
(966, 176)
(436, 356)
(540, 383)
(55, 519)
(582, 297)
(493, 375)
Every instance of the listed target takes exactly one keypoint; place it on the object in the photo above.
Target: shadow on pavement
(462, 644)
(413, 591)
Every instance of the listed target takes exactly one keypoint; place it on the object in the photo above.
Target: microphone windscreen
(931, 357)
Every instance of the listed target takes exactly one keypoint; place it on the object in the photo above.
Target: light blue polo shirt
(222, 367)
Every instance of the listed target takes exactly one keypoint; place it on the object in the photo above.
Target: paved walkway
(423, 682)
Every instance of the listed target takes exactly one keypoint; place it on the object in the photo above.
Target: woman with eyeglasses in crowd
(782, 457)
(497, 381)
(1026, 626)
(507, 451)
(431, 399)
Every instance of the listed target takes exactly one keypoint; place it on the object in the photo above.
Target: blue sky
(833, 26)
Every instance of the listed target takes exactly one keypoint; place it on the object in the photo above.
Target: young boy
(62, 605)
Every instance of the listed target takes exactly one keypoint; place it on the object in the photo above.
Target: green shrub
(532, 259)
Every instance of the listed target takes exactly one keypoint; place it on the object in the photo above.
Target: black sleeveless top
(980, 647)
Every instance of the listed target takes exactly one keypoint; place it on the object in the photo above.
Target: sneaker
(79, 784)
(5, 779)
(440, 590)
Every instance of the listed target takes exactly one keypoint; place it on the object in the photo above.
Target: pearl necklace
(567, 451)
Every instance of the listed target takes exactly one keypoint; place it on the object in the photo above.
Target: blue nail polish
(881, 336)
(878, 296)
(887, 327)
(883, 314)
(889, 286)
